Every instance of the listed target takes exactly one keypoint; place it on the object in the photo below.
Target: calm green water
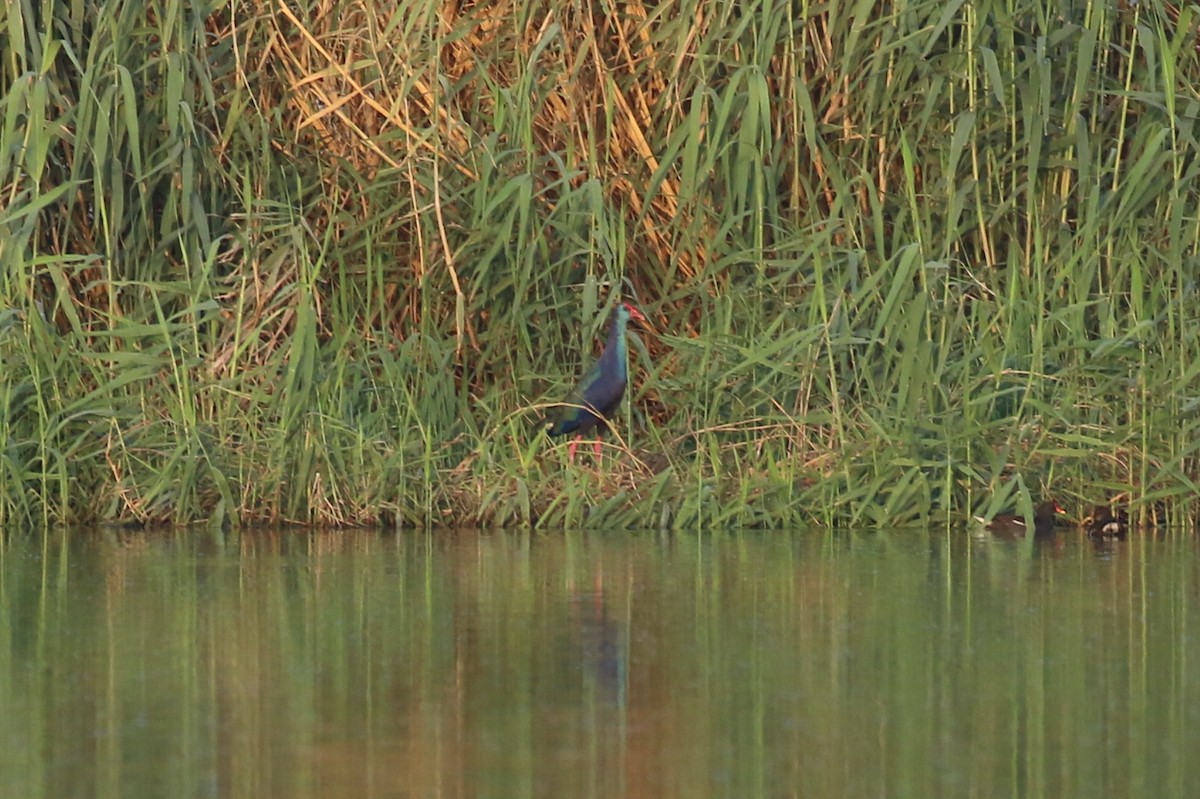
(502, 665)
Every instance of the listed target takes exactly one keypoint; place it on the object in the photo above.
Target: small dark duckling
(1012, 525)
(1107, 524)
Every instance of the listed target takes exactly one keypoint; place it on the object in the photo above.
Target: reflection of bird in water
(601, 644)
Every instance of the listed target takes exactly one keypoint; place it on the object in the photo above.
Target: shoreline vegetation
(333, 264)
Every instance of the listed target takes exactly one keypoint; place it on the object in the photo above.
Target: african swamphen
(600, 389)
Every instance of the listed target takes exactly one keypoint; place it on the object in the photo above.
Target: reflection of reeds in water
(498, 664)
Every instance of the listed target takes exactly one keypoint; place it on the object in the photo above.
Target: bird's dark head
(1048, 508)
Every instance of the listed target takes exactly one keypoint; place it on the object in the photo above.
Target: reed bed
(330, 263)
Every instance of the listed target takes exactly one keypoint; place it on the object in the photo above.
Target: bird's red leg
(571, 449)
(596, 449)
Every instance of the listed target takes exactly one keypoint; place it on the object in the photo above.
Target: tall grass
(330, 264)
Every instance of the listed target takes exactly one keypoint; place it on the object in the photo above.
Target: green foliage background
(328, 263)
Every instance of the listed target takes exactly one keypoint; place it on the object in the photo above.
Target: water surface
(357, 664)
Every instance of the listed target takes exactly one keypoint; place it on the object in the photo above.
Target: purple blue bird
(599, 392)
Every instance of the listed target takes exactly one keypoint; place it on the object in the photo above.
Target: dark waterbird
(599, 391)
(1012, 525)
(1107, 523)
